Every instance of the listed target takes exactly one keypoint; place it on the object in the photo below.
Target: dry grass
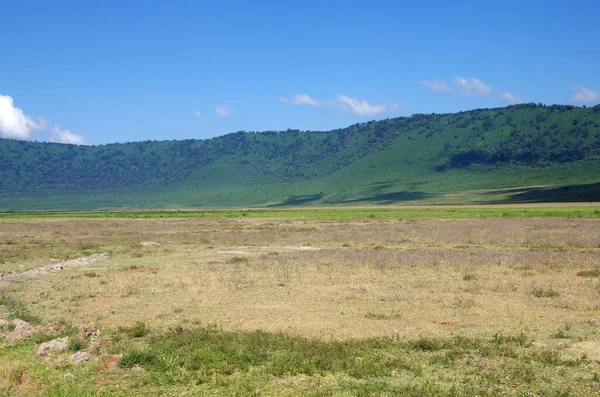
(325, 279)
(427, 282)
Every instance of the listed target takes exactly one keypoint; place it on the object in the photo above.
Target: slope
(552, 153)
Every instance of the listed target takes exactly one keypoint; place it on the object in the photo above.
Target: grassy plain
(396, 301)
(578, 210)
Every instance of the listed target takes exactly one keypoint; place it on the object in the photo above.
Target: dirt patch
(149, 244)
(110, 363)
(53, 267)
(303, 248)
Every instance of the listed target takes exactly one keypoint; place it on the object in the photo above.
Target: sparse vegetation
(296, 312)
(137, 330)
(14, 308)
(544, 292)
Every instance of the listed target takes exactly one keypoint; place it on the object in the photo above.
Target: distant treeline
(530, 134)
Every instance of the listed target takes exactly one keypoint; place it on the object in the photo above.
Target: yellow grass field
(323, 280)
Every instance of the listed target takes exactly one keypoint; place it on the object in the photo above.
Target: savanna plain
(415, 302)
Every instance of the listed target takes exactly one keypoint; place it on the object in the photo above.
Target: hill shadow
(386, 198)
(299, 200)
(567, 194)
(384, 185)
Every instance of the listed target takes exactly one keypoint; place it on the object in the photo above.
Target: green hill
(521, 153)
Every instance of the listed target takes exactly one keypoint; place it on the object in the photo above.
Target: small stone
(80, 357)
(54, 346)
(91, 332)
(68, 375)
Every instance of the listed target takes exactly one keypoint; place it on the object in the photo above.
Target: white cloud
(13, 122)
(436, 85)
(224, 111)
(472, 86)
(65, 136)
(508, 97)
(197, 114)
(585, 95)
(361, 107)
(300, 99)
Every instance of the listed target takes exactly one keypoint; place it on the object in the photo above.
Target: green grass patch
(457, 212)
(137, 330)
(208, 356)
(589, 273)
(209, 360)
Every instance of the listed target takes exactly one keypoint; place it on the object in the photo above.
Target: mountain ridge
(424, 158)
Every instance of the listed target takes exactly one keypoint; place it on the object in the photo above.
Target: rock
(80, 357)
(54, 346)
(111, 363)
(91, 332)
(4, 323)
(68, 375)
(22, 331)
(22, 326)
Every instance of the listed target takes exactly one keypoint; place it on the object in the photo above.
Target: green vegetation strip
(212, 358)
(330, 213)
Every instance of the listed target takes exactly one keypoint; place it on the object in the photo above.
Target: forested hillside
(420, 158)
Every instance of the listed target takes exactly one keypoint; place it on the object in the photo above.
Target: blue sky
(118, 71)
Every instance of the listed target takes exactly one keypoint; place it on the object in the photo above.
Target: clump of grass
(238, 259)
(382, 316)
(138, 330)
(519, 340)
(131, 290)
(211, 352)
(469, 277)
(589, 273)
(463, 302)
(7, 328)
(427, 344)
(137, 254)
(177, 330)
(91, 274)
(77, 344)
(16, 309)
(561, 334)
(544, 292)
